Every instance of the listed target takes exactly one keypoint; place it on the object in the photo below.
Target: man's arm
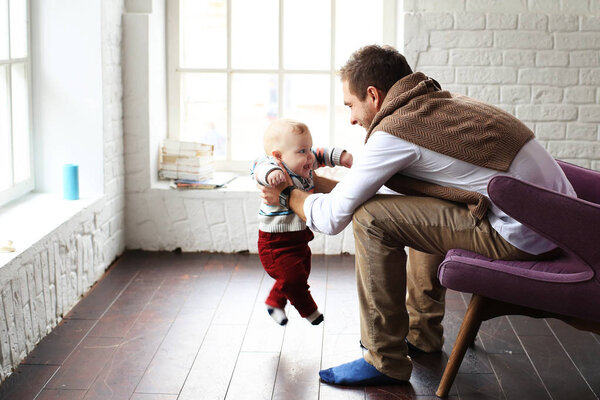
(384, 155)
(296, 202)
(297, 196)
(323, 185)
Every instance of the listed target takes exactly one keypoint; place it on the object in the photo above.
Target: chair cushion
(564, 285)
(565, 268)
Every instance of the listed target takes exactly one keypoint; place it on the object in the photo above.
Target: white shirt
(385, 155)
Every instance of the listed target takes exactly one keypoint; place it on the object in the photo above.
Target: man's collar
(401, 93)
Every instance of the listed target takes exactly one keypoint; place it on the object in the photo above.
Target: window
(234, 65)
(16, 170)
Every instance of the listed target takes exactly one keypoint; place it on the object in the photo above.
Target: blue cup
(71, 182)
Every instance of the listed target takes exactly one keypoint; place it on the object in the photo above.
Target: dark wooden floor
(164, 326)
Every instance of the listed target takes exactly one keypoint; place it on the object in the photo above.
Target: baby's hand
(346, 160)
(275, 177)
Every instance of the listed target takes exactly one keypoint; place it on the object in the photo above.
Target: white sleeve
(383, 156)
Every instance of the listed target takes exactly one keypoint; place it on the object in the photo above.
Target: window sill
(241, 185)
(34, 216)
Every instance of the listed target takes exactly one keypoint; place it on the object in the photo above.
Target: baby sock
(315, 318)
(278, 314)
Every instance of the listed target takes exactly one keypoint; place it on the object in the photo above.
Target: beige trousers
(383, 227)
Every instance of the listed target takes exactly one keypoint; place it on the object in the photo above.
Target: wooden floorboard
(498, 336)
(517, 377)
(167, 326)
(169, 368)
(27, 381)
(478, 387)
(583, 349)
(215, 362)
(554, 365)
(107, 290)
(80, 370)
(58, 344)
(55, 394)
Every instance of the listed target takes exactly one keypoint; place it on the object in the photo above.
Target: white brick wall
(208, 221)
(538, 59)
(43, 283)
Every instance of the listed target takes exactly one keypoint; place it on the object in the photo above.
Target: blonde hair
(273, 138)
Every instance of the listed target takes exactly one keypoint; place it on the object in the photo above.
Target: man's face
(361, 112)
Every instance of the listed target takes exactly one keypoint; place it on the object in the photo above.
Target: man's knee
(363, 215)
(360, 216)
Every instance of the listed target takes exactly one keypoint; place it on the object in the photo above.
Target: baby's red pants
(286, 258)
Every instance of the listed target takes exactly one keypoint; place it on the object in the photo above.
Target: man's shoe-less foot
(357, 373)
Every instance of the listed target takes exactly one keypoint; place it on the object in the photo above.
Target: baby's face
(296, 153)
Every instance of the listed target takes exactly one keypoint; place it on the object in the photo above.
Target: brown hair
(373, 65)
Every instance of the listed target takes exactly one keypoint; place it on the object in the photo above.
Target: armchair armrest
(586, 182)
(572, 223)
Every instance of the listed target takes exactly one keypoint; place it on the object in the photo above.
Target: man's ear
(376, 96)
(276, 154)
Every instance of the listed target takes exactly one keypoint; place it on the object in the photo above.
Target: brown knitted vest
(418, 111)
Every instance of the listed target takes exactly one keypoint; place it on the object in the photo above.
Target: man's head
(367, 77)
(291, 142)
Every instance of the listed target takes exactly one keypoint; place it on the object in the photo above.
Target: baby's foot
(278, 315)
(315, 318)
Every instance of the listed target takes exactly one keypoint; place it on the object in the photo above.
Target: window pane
(5, 157)
(350, 32)
(254, 34)
(306, 99)
(18, 28)
(203, 33)
(254, 105)
(307, 37)
(20, 122)
(3, 29)
(204, 109)
(351, 137)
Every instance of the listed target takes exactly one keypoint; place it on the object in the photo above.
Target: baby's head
(291, 142)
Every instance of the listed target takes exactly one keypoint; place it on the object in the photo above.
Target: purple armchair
(567, 288)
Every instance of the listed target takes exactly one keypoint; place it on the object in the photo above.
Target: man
(441, 150)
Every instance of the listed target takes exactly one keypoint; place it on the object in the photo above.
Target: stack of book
(218, 180)
(185, 160)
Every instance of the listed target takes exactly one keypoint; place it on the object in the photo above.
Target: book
(219, 179)
(185, 160)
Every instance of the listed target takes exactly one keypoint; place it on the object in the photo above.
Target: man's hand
(276, 177)
(270, 194)
(346, 159)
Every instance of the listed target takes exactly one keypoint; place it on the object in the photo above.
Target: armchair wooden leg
(466, 336)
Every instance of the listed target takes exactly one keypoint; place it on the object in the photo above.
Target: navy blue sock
(357, 373)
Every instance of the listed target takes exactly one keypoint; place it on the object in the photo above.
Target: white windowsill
(244, 183)
(34, 216)
(241, 184)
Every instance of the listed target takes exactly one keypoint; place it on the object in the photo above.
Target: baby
(283, 237)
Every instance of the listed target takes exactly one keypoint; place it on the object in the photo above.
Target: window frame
(16, 190)
(174, 70)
